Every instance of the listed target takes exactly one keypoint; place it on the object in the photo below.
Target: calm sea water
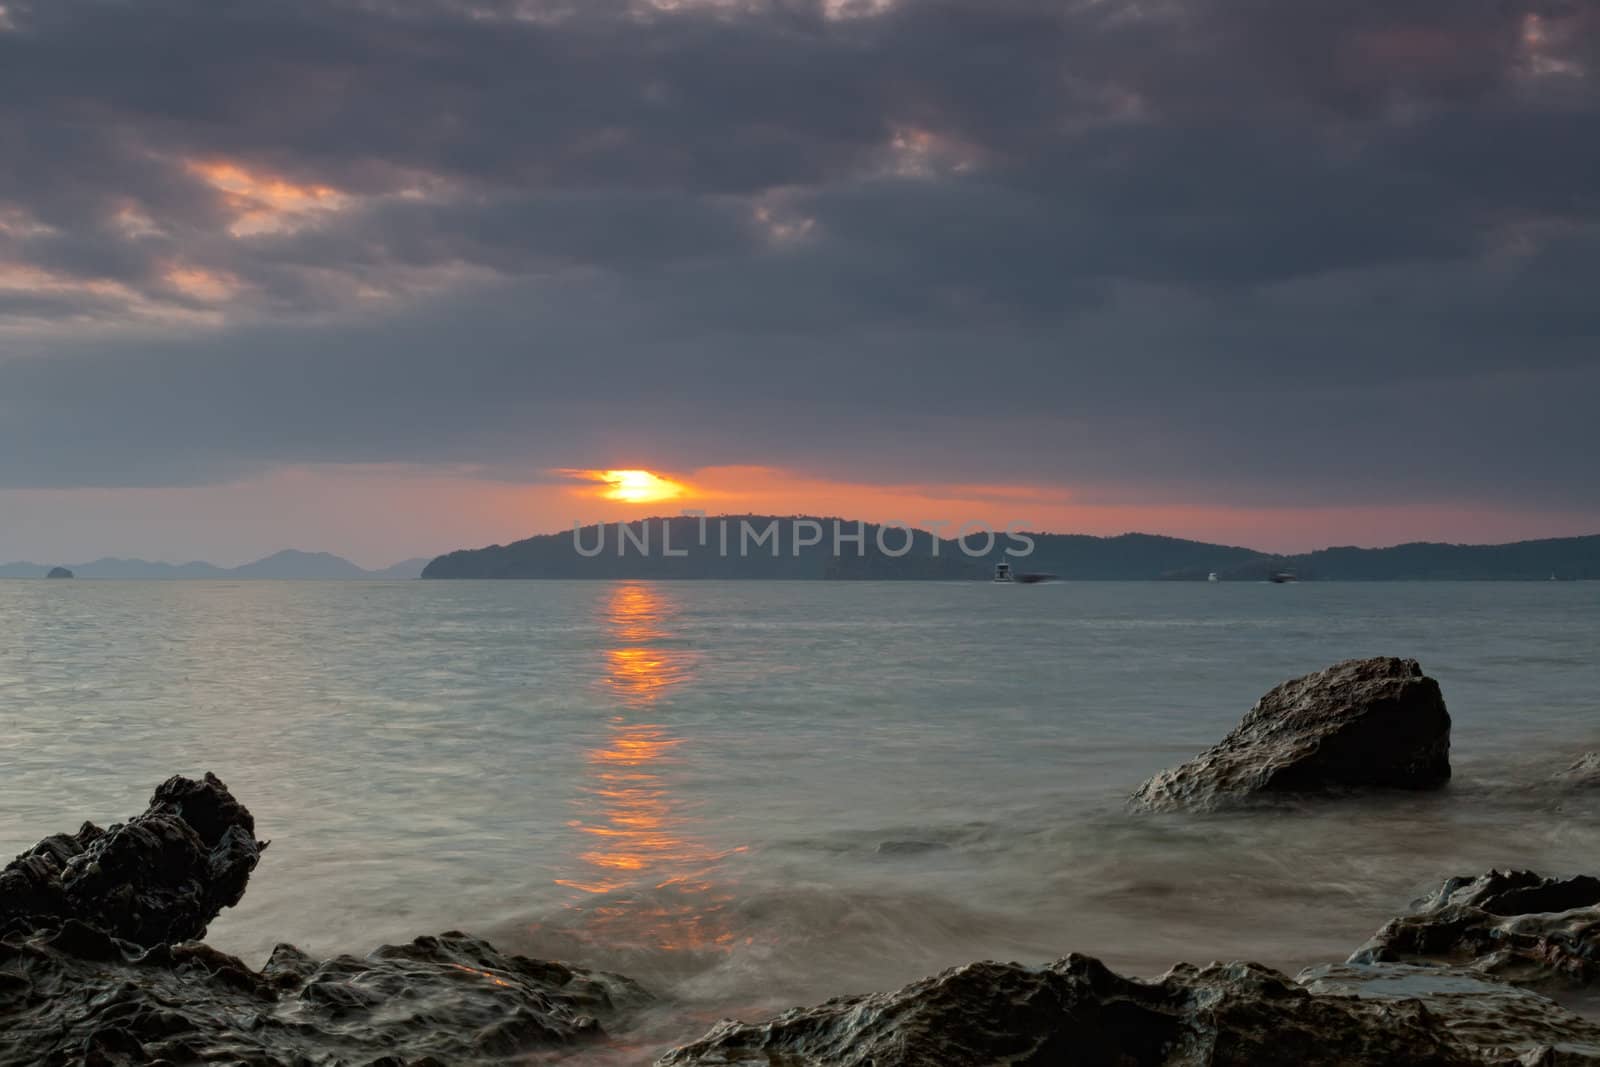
(752, 795)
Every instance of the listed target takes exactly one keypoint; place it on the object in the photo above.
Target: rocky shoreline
(101, 963)
(98, 965)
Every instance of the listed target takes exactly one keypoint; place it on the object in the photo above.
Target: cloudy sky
(377, 276)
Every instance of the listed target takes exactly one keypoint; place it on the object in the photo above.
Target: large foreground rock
(77, 996)
(1361, 724)
(1076, 1011)
(159, 878)
(1514, 925)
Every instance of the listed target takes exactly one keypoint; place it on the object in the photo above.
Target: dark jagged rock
(1514, 925)
(92, 970)
(157, 879)
(59, 572)
(1361, 724)
(78, 996)
(1077, 1011)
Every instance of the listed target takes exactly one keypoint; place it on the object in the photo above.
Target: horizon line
(796, 516)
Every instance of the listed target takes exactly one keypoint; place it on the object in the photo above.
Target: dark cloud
(1224, 246)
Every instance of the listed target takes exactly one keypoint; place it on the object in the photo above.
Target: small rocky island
(100, 963)
(59, 572)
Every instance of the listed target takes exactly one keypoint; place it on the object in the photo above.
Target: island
(59, 572)
(824, 547)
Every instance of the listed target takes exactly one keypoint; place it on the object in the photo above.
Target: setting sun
(636, 486)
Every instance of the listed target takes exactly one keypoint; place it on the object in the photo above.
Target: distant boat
(1211, 577)
(1282, 577)
(1004, 574)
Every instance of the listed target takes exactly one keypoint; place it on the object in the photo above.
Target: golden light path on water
(641, 863)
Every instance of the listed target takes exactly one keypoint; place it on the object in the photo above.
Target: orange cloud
(104, 301)
(264, 202)
(213, 287)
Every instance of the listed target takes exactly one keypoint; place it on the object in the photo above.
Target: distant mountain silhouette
(1560, 557)
(289, 564)
(119, 568)
(406, 570)
(1131, 557)
(1080, 557)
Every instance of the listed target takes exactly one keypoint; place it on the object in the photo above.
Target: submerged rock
(159, 878)
(1583, 774)
(1497, 1022)
(909, 847)
(1514, 925)
(1077, 1011)
(79, 996)
(1369, 723)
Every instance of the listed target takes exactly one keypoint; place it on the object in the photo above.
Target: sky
(393, 277)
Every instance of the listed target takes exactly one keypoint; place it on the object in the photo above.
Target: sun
(638, 487)
(626, 486)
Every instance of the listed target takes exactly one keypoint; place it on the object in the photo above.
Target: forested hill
(803, 547)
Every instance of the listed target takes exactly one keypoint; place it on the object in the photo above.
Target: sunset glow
(434, 509)
(633, 486)
(637, 838)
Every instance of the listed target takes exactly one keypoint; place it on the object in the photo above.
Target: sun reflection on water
(646, 873)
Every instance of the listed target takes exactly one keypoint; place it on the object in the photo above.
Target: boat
(1282, 577)
(1003, 573)
(1211, 577)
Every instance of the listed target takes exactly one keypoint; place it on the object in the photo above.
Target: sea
(755, 795)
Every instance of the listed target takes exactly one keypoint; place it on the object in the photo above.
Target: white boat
(1002, 572)
(1211, 577)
